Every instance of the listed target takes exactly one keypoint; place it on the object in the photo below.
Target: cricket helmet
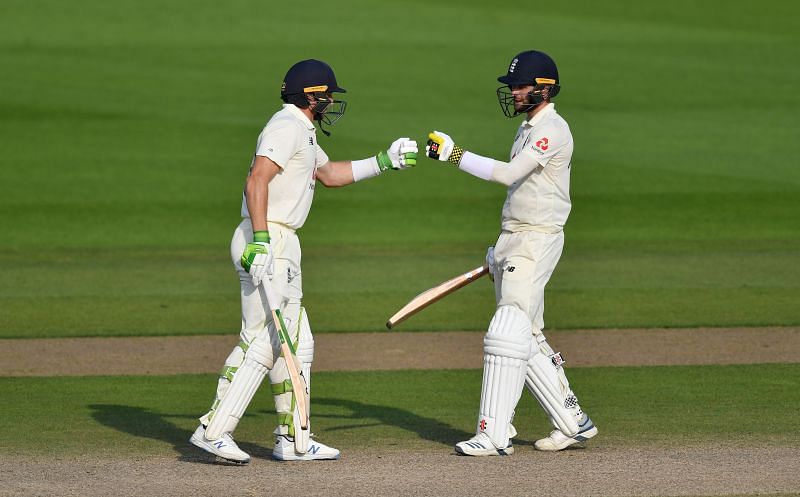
(316, 78)
(528, 68)
(309, 76)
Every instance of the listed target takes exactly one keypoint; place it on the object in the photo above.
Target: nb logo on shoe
(219, 444)
(313, 449)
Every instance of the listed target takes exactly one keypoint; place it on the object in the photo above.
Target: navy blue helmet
(309, 76)
(532, 68)
(313, 81)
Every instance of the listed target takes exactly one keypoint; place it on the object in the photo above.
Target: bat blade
(435, 294)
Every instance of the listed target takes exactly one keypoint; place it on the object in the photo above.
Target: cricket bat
(435, 294)
(288, 352)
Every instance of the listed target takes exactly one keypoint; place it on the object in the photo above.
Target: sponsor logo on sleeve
(541, 145)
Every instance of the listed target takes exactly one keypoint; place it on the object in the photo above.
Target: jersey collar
(546, 110)
(299, 115)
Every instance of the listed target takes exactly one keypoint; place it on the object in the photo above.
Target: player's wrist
(261, 236)
(455, 155)
(384, 161)
(365, 168)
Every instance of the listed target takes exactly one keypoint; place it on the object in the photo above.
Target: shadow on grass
(145, 423)
(427, 428)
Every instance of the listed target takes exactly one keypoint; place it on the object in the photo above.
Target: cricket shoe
(481, 445)
(284, 450)
(558, 441)
(223, 447)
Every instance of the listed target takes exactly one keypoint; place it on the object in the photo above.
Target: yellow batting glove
(441, 147)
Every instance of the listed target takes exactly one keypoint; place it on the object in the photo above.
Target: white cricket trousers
(286, 280)
(524, 262)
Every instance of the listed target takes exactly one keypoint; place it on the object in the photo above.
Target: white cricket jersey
(289, 139)
(540, 201)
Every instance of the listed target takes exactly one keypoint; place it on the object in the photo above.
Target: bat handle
(272, 301)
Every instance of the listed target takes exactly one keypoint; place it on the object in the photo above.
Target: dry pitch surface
(721, 469)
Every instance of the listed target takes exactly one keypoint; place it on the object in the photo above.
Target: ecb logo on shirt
(311, 140)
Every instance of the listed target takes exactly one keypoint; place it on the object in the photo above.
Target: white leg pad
(305, 355)
(507, 348)
(305, 346)
(258, 359)
(547, 382)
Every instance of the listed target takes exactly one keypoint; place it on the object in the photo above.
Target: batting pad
(285, 403)
(257, 361)
(305, 347)
(547, 382)
(507, 348)
(305, 356)
(237, 398)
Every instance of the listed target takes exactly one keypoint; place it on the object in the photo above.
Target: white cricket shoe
(559, 441)
(284, 450)
(223, 447)
(481, 445)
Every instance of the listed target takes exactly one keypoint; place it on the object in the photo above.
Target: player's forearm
(336, 174)
(402, 154)
(441, 147)
(497, 171)
(257, 194)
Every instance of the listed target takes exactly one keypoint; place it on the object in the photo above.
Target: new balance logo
(310, 140)
(219, 444)
(313, 449)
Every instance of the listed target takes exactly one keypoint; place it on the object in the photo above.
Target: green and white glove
(257, 257)
(402, 153)
(441, 147)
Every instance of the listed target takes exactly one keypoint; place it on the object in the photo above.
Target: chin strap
(324, 131)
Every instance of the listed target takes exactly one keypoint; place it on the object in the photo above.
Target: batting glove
(441, 147)
(402, 154)
(490, 261)
(257, 257)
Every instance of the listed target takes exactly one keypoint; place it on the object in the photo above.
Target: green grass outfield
(430, 410)
(126, 130)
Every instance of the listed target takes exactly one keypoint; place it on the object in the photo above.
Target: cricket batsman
(265, 249)
(536, 208)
